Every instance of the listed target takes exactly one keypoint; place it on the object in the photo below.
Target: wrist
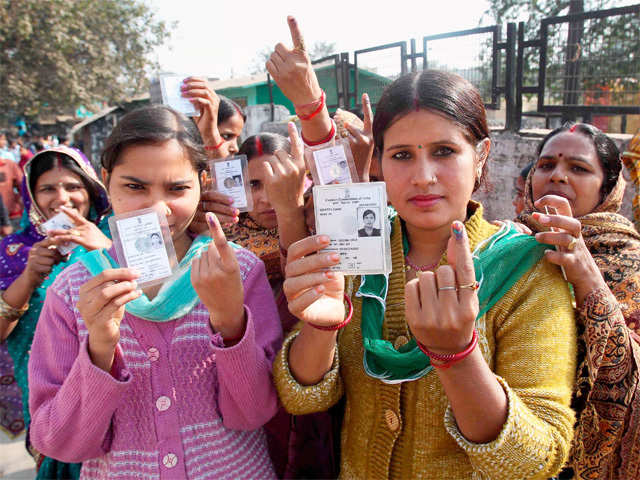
(102, 354)
(212, 139)
(26, 282)
(446, 360)
(290, 212)
(229, 326)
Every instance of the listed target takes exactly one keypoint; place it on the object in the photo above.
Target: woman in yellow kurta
(496, 405)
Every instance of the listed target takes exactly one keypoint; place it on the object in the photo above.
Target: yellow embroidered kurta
(407, 430)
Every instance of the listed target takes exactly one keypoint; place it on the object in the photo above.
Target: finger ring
(447, 288)
(471, 286)
(572, 244)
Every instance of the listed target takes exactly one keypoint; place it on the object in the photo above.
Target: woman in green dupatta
(495, 405)
(58, 179)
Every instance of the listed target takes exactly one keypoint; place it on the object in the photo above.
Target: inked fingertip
(457, 228)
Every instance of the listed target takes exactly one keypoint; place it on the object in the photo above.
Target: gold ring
(572, 244)
(471, 286)
(447, 288)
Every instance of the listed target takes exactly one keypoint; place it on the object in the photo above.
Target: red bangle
(214, 147)
(315, 112)
(341, 324)
(450, 358)
(332, 133)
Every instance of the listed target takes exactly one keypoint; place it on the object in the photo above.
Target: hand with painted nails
(84, 233)
(216, 278)
(205, 100)
(571, 253)
(315, 295)
(292, 71)
(361, 140)
(441, 306)
(217, 203)
(101, 304)
(285, 176)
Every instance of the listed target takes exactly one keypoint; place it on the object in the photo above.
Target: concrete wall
(510, 153)
(258, 115)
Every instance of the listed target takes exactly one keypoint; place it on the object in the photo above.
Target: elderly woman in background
(57, 180)
(579, 174)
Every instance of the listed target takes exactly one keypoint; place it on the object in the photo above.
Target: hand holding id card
(230, 176)
(61, 221)
(142, 240)
(333, 164)
(354, 217)
(172, 95)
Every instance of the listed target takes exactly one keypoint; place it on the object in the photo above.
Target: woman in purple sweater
(164, 382)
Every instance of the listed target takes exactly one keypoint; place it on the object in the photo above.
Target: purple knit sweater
(179, 404)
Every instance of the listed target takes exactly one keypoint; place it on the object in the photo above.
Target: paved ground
(15, 462)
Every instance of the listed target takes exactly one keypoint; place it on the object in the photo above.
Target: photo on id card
(353, 216)
(60, 221)
(230, 176)
(332, 164)
(142, 240)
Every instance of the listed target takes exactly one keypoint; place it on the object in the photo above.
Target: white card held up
(354, 217)
(142, 240)
(230, 176)
(332, 164)
(61, 221)
(172, 95)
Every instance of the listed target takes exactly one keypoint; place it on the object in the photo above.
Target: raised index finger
(297, 148)
(459, 257)
(296, 36)
(368, 113)
(220, 241)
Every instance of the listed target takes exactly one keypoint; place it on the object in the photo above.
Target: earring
(479, 172)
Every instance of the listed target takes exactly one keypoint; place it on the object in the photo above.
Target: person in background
(171, 380)
(10, 181)
(518, 199)
(220, 123)
(631, 159)
(579, 174)
(56, 180)
(6, 153)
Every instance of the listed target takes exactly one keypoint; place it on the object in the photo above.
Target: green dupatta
(175, 298)
(499, 262)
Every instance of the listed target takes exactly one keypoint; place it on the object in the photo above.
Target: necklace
(409, 265)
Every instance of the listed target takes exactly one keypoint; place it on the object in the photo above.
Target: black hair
(152, 125)
(48, 160)
(367, 212)
(525, 171)
(606, 149)
(443, 92)
(228, 108)
(268, 143)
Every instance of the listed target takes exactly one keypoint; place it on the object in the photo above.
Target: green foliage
(58, 54)
(604, 56)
